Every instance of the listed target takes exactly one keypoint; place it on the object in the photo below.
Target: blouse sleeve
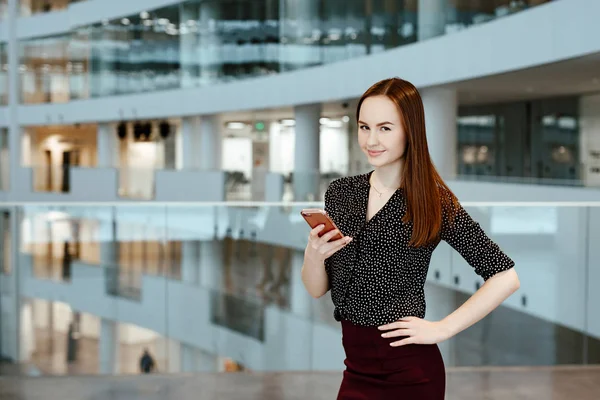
(468, 238)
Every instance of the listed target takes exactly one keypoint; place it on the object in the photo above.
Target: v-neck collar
(365, 187)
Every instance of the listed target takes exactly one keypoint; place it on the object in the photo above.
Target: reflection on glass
(531, 141)
(201, 42)
(30, 7)
(476, 142)
(45, 70)
(226, 281)
(462, 14)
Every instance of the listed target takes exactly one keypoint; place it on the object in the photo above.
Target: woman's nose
(373, 139)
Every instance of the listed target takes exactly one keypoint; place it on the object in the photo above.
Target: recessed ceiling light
(236, 125)
(144, 15)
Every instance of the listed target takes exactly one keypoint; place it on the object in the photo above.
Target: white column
(306, 152)
(188, 146)
(441, 108)
(106, 142)
(589, 120)
(190, 262)
(210, 143)
(14, 90)
(109, 251)
(27, 336)
(108, 348)
(431, 18)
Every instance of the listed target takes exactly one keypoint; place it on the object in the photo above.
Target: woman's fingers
(328, 236)
(402, 323)
(398, 332)
(335, 246)
(314, 233)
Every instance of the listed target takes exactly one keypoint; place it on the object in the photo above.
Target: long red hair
(428, 197)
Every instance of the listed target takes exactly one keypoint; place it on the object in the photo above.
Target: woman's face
(380, 133)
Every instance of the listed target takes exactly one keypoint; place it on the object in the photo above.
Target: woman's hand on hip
(320, 248)
(415, 330)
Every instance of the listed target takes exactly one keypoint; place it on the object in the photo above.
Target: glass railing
(528, 180)
(199, 43)
(159, 184)
(215, 288)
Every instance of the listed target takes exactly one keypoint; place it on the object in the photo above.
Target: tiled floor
(581, 383)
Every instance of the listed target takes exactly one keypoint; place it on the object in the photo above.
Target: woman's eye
(364, 127)
(385, 129)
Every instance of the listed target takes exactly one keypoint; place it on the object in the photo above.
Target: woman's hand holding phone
(320, 248)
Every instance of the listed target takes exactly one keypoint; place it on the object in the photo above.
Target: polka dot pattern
(377, 278)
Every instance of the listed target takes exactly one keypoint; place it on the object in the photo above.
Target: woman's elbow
(508, 279)
(514, 280)
(318, 295)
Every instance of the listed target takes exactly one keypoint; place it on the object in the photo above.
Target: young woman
(392, 219)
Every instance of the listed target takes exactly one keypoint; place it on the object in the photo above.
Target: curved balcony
(188, 85)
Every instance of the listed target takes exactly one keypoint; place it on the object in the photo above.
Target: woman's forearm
(315, 279)
(489, 296)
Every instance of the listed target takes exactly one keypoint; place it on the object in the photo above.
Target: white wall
(87, 184)
(190, 185)
(237, 155)
(334, 149)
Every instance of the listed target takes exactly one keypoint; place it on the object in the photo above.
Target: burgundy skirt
(376, 370)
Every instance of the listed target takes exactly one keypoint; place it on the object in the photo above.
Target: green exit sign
(259, 126)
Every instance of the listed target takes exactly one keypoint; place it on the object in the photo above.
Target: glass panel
(301, 34)
(393, 24)
(196, 43)
(461, 14)
(44, 70)
(533, 141)
(214, 288)
(476, 144)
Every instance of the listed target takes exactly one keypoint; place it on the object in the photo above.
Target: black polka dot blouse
(377, 278)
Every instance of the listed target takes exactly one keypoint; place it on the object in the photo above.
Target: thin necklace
(379, 193)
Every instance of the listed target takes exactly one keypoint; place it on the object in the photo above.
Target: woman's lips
(374, 153)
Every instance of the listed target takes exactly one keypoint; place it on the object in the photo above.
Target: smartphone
(316, 217)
